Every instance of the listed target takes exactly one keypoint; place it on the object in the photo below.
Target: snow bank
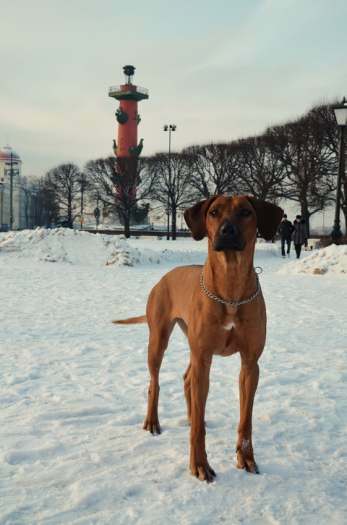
(78, 247)
(332, 259)
(45, 245)
(124, 254)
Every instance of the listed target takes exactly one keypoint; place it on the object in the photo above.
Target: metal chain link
(228, 302)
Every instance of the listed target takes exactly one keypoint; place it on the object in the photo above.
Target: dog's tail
(132, 320)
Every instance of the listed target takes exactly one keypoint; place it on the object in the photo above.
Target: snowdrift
(332, 259)
(62, 245)
(78, 247)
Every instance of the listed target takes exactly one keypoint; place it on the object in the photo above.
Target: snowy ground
(73, 394)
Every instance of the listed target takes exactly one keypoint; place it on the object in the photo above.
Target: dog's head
(231, 222)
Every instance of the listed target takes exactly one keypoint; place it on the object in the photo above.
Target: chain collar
(230, 302)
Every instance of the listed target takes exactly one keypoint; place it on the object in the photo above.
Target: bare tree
(261, 172)
(325, 117)
(214, 168)
(172, 175)
(43, 206)
(309, 164)
(121, 193)
(65, 182)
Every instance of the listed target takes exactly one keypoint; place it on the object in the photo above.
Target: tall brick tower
(126, 148)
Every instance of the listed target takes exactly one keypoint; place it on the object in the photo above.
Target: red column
(127, 133)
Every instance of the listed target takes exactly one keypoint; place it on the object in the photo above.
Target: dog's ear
(268, 217)
(195, 218)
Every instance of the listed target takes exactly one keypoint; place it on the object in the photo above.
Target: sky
(219, 70)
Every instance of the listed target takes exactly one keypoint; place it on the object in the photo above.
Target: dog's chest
(229, 321)
(229, 324)
(227, 335)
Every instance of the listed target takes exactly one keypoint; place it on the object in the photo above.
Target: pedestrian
(299, 236)
(285, 230)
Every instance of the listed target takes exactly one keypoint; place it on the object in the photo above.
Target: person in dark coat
(299, 236)
(285, 230)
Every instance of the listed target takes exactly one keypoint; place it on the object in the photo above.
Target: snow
(79, 247)
(332, 259)
(73, 393)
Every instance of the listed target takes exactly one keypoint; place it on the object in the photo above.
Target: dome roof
(5, 154)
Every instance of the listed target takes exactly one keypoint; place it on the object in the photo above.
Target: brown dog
(220, 308)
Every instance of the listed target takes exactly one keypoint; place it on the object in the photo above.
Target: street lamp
(83, 186)
(1, 205)
(169, 128)
(341, 119)
(12, 173)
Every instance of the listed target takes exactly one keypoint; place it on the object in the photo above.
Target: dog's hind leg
(158, 341)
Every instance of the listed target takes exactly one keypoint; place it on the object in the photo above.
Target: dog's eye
(213, 212)
(244, 212)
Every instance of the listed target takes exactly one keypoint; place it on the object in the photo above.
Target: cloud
(218, 70)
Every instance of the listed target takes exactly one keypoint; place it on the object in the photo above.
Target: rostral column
(126, 148)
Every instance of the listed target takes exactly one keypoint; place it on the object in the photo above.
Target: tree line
(296, 161)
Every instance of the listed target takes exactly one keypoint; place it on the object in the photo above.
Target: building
(11, 168)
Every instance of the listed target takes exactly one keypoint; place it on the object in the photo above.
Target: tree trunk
(344, 211)
(344, 201)
(173, 222)
(69, 214)
(306, 216)
(127, 225)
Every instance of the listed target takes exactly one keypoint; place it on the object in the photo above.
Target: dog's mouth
(224, 244)
(228, 238)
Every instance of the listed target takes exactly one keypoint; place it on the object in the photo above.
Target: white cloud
(218, 72)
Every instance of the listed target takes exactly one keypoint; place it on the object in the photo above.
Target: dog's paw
(245, 460)
(152, 426)
(245, 457)
(203, 472)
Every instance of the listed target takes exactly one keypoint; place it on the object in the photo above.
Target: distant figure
(299, 235)
(285, 230)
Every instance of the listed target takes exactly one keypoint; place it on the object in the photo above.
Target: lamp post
(169, 128)
(12, 173)
(341, 119)
(1, 205)
(83, 185)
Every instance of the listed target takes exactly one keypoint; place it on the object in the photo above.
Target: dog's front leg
(248, 382)
(199, 376)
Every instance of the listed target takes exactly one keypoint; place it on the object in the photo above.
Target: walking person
(299, 235)
(285, 230)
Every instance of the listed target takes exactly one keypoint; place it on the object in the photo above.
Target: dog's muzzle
(228, 238)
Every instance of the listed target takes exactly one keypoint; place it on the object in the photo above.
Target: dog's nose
(228, 229)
